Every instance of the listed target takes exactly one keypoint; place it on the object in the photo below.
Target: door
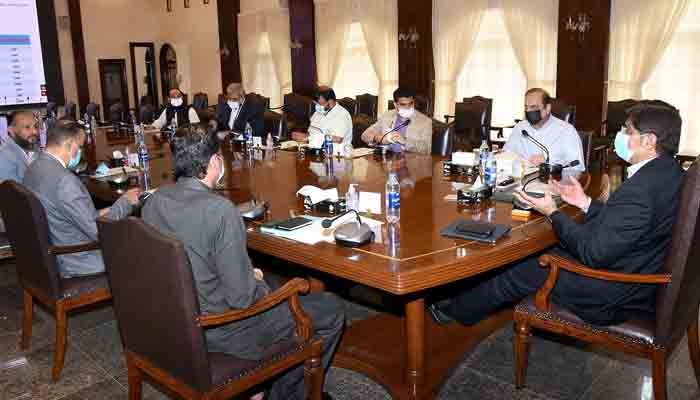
(114, 85)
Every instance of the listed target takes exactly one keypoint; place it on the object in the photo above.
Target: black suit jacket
(630, 233)
(252, 113)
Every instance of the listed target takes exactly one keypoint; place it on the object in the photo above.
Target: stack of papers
(318, 195)
(116, 171)
(316, 233)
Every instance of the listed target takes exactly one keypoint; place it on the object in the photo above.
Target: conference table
(404, 351)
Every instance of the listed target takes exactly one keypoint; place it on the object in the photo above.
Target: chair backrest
(442, 138)
(390, 105)
(348, 104)
(564, 111)
(360, 123)
(276, 124)
(677, 302)
(489, 106)
(200, 101)
(70, 111)
(28, 231)
(605, 187)
(147, 113)
(367, 105)
(298, 108)
(93, 110)
(52, 109)
(617, 115)
(262, 100)
(155, 301)
(586, 144)
(116, 112)
(423, 104)
(472, 121)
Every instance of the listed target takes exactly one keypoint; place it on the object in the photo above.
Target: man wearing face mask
(630, 233)
(329, 117)
(214, 236)
(18, 151)
(176, 112)
(559, 137)
(239, 111)
(412, 130)
(69, 208)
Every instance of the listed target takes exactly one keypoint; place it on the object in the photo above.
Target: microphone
(394, 129)
(536, 142)
(328, 222)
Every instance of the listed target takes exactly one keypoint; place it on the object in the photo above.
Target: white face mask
(176, 102)
(407, 112)
(233, 104)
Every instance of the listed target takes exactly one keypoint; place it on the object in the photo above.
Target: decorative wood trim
(228, 39)
(76, 34)
(302, 30)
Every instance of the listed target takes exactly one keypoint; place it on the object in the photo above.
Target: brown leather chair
(564, 111)
(443, 137)
(677, 300)
(164, 336)
(360, 123)
(472, 122)
(37, 267)
(200, 101)
(348, 104)
(367, 104)
(586, 144)
(275, 124)
(298, 110)
(263, 100)
(423, 105)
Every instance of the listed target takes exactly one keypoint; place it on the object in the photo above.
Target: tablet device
(293, 223)
(475, 229)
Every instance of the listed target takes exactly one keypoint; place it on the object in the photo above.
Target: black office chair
(472, 122)
(70, 112)
(443, 138)
(276, 124)
(367, 105)
(349, 104)
(116, 113)
(564, 111)
(93, 110)
(200, 101)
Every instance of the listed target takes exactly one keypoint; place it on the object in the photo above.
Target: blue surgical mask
(74, 161)
(320, 109)
(622, 145)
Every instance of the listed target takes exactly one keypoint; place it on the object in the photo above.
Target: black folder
(474, 230)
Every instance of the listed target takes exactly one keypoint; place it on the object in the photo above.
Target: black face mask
(533, 117)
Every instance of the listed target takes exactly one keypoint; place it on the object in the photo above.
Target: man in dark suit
(69, 208)
(630, 233)
(214, 236)
(241, 110)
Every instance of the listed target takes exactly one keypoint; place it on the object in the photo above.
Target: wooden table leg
(415, 349)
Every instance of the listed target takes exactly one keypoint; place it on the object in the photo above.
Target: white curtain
(379, 19)
(532, 26)
(640, 31)
(333, 19)
(277, 24)
(455, 28)
(250, 28)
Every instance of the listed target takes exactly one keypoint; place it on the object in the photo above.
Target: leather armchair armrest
(78, 248)
(555, 262)
(289, 292)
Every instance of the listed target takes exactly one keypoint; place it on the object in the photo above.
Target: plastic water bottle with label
(144, 158)
(328, 144)
(491, 173)
(248, 134)
(393, 199)
(483, 158)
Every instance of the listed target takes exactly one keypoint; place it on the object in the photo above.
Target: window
(265, 82)
(493, 71)
(676, 78)
(356, 74)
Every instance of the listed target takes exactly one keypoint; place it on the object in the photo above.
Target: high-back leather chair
(276, 124)
(70, 111)
(442, 138)
(564, 111)
(360, 123)
(117, 113)
(147, 113)
(367, 105)
(52, 109)
(472, 122)
(164, 337)
(298, 110)
(423, 104)
(200, 101)
(348, 104)
(262, 100)
(616, 116)
(37, 267)
(586, 145)
(93, 110)
(677, 300)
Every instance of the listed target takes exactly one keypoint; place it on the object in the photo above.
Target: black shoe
(440, 317)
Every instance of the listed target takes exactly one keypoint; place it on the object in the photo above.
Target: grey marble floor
(94, 369)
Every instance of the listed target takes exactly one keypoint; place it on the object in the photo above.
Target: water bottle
(328, 145)
(144, 158)
(393, 199)
(248, 136)
(43, 128)
(491, 173)
(93, 125)
(88, 128)
(269, 142)
(483, 157)
(351, 199)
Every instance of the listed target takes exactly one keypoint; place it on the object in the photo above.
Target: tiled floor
(95, 369)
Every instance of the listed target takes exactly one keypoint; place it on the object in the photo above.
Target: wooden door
(114, 84)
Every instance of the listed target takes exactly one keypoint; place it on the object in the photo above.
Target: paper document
(318, 195)
(316, 233)
(361, 152)
(116, 171)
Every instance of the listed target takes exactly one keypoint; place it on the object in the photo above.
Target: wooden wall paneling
(302, 31)
(228, 11)
(416, 67)
(76, 33)
(582, 61)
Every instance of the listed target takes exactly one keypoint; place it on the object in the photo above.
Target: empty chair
(360, 123)
(116, 113)
(70, 111)
(37, 267)
(677, 300)
(163, 334)
(93, 110)
(442, 138)
(264, 101)
(564, 111)
(367, 105)
(298, 110)
(349, 104)
(200, 101)
(472, 122)
(147, 113)
(275, 124)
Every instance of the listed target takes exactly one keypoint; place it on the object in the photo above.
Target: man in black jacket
(630, 233)
(241, 110)
(176, 112)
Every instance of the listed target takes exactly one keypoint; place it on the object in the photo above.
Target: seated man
(332, 118)
(559, 137)
(239, 111)
(214, 236)
(69, 208)
(630, 233)
(176, 112)
(415, 136)
(17, 152)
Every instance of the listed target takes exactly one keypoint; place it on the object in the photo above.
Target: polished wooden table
(407, 353)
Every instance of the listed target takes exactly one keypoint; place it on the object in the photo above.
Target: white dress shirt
(559, 137)
(632, 169)
(234, 114)
(162, 120)
(338, 122)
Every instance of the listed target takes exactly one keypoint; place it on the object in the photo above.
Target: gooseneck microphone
(394, 129)
(328, 222)
(536, 142)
